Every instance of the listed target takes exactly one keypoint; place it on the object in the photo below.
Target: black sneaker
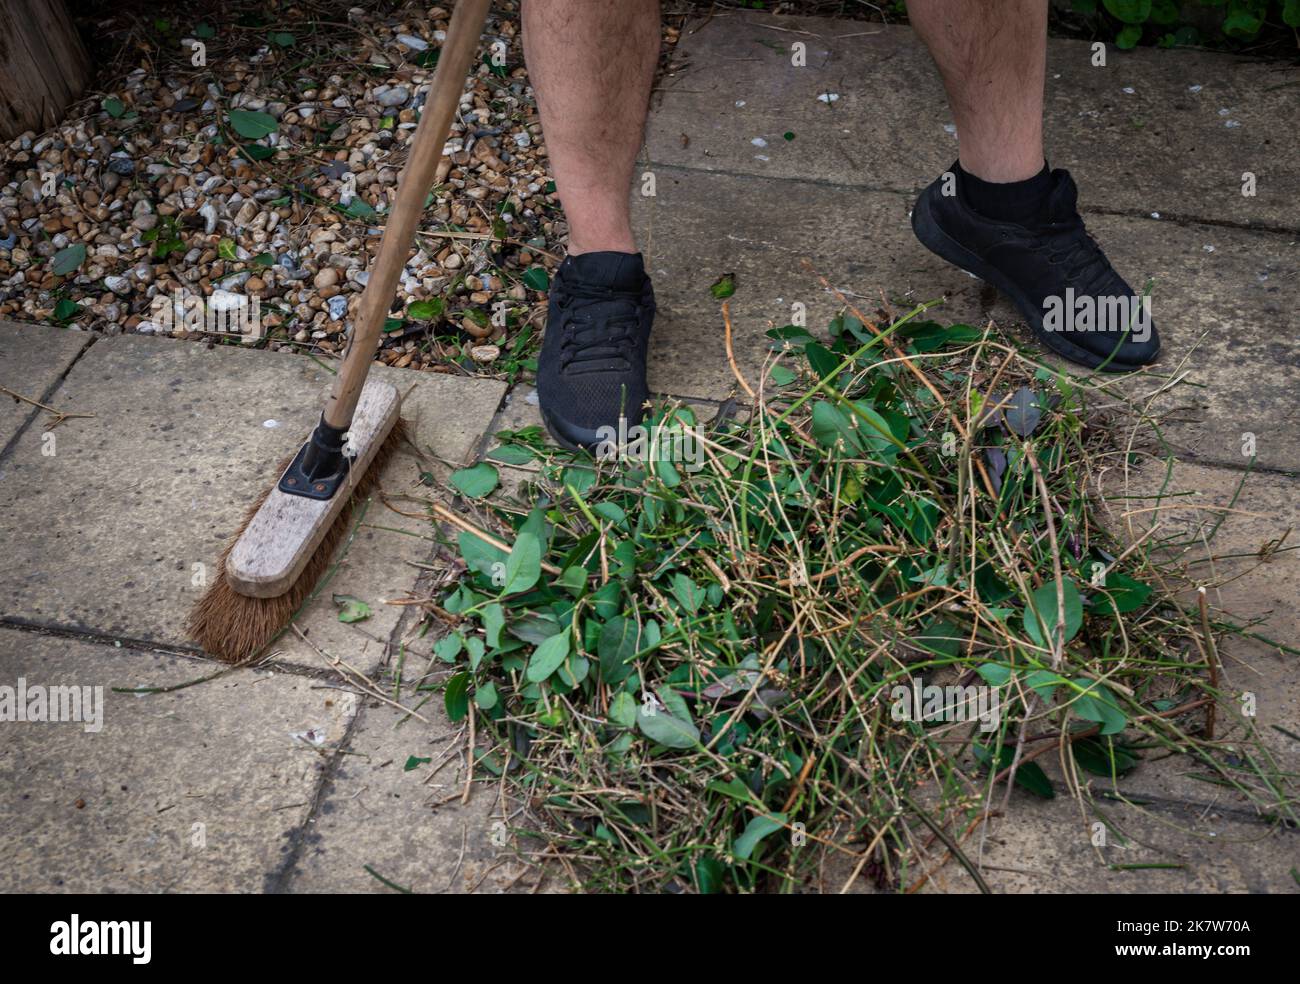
(1058, 277)
(592, 368)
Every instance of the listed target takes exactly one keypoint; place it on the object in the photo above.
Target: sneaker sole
(933, 238)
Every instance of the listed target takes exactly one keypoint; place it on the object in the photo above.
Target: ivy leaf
(536, 278)
(486, 696)
(1043, 601)
(1098, 704)
(1119, 594)
(351, 609)
(251, 125)
(623, 710)
(1021, 412)
(723, 287)
(657, 724)
(114, 107)
(757, 828)
(359, 208)
(524, 565)
(617, 644)
(476, 481)
(456, 696)
(1029, 775)
(424, 310)
(68, 259)
(1129, 11)
(548, 657)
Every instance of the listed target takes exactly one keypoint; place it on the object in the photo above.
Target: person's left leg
(1003, 215)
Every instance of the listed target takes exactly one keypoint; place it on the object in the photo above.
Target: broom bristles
(234, 627)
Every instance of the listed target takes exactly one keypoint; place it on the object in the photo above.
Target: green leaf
(66, 310)
(512, 454)
(359, 208)
(494, 620)
(113, 107)
(448, 647)
(1098, 757)
(256, 152)
(823, 361)
(251, 125)
(536, 278)
(476, 481)
(1044, 683)
(623, 710)
(1129, 11)
(1128, 37)
(351, 609)
(1043, 601)
(456, 696)
(524, 565)
(781, 375)
(1098, 704)
(994, 674)
(1119, 594)
(205, 31)
(547, 657)
(282, 38)
(264, 260)
(757, 828)
(486, 696)
(425, 310)
(1029, 775)
(413, 762)
(617, 644)
(657, 724)
(709, 874)
(687, 592)
(1291, 13)
(723, 287)
(479, 556)
(226, 249)
(68, 259)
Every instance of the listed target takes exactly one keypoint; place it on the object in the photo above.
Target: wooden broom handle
(413, 185)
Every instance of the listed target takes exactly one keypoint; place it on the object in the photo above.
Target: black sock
(607, 268)
(1014, 201)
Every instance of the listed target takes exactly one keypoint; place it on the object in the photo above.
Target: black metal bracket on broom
(320, 466)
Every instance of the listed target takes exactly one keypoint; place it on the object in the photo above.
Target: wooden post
(43, 65)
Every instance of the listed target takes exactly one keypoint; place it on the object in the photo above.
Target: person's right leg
(592, 64)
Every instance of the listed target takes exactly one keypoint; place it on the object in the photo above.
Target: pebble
(338, 305)
(327, 277)
(118, 285)
(398, 95)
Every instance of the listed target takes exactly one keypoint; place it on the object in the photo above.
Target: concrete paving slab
(1151, 130)
(33, 358)
(1259, 592)
(409, 825)
(106, 535)
(1221, 296)
(201, 789)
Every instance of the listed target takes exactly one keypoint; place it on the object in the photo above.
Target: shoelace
(613, 337)
(1070, 243)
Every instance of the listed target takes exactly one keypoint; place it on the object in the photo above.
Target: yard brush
(290, 533)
